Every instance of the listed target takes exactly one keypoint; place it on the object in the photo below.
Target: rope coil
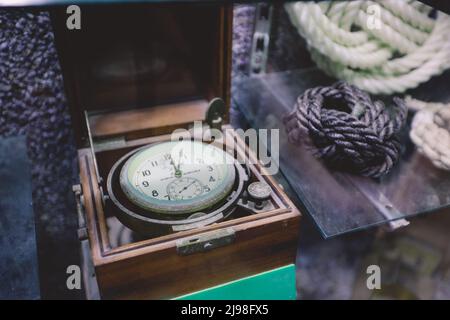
(395, 50)
(355, 134)
(430, 131)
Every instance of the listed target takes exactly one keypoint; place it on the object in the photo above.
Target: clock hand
(178, 172)
(173, 164)
(186, 187)
(180, 154)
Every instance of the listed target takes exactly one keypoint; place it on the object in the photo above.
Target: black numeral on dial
(145, 183)
(154, 193)
(146, 173)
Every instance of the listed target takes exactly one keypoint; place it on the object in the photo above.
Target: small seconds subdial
(184, 188)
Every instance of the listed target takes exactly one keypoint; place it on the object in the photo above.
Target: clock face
(178, 177)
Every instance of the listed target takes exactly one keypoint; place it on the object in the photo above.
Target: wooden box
(133, 74)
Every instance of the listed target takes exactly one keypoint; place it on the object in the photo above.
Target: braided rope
(405, 49)
(362, 139)
(430, 131)
(416, 105)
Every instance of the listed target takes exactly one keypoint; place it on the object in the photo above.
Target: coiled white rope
(383, 47)
(430, 131)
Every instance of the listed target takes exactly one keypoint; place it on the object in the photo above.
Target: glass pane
(340, 202)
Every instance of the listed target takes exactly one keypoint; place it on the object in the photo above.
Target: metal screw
(207, 245)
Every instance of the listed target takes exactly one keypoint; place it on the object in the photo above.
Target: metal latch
(205, 242)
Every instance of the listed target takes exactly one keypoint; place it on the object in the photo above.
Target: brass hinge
(205, 242)
(82, 229)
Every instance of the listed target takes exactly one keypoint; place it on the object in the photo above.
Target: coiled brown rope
(347, 129)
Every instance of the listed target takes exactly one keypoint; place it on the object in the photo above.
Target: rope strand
(404, 47)
(430, 131)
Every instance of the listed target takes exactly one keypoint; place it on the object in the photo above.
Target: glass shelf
(341, 202)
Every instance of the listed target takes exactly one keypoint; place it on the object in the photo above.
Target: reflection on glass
(340, 202)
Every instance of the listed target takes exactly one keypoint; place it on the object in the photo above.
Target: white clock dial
(178, 177)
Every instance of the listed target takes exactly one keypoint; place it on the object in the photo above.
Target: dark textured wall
(32, 103)
(19, 278)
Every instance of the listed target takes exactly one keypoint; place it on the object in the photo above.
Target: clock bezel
(154, 223)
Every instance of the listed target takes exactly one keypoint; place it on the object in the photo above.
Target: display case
(388, 49)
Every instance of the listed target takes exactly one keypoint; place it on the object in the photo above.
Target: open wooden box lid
(143, 70)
